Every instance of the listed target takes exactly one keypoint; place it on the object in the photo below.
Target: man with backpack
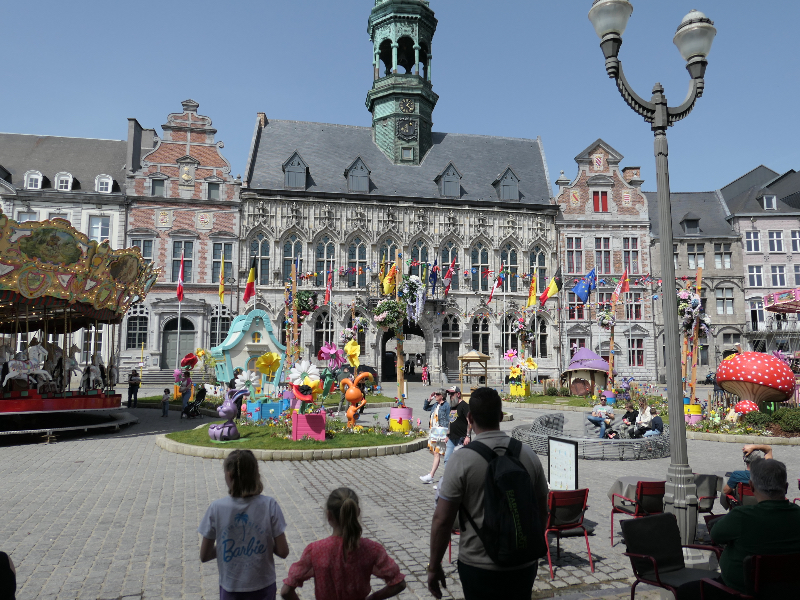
(499, 492)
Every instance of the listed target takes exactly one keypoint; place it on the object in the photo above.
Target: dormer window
(507, 185)
(449, 182)
(691, 226)
(769, 202)
(294, 171)
(64, 182)
(33, 180)
(103, 184)
(358, 177)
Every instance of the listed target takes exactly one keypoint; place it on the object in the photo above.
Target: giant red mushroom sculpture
(756, 376)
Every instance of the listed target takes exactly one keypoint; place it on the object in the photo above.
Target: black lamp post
(693, 39)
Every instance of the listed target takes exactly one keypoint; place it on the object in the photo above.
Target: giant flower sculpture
(333, 355)
(267, 363)
(305, 380)
(353, 351)
(530, 364)
(247, 380)
(510, 355)
(516, 372)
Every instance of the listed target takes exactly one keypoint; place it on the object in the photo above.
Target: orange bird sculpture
(353, 394)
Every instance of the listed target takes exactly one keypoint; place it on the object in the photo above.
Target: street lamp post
(693, 39)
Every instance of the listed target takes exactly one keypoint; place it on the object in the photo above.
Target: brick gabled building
(603, 223)
(182, 199)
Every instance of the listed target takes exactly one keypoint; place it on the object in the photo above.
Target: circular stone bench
(552, 425)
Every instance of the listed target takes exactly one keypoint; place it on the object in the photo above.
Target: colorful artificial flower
(303, 371)
(246, 379)
(516, 372)
(268, 362)
(353, 351)
(510, 355)
(530, 364)
(333, 355)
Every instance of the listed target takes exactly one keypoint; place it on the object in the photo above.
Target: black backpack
(512, 531)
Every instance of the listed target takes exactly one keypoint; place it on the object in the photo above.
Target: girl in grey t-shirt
(243, 531)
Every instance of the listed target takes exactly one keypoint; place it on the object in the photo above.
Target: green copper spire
(402, 99)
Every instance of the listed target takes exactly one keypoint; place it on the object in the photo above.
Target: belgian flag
(250, 288)
(552, 289)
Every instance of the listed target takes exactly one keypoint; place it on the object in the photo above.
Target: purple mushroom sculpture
(227, 431)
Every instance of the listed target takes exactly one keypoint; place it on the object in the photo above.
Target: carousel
(55, 282)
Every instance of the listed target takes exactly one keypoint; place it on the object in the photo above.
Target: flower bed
(785, 422)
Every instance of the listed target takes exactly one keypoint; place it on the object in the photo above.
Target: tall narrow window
(357, 263)
(752, 241)
(157, 188)
(603, 300)
(600, 201)
(480, 334)
(775, 241)
(99, 228)
(508, 258)
(449, 252)
(722, 255)
(636, 352)
(697, 257)
(323, 331)
(221, 252)
(778, 275)
(630, 254)
(754, 276)
(575, 308)
(769, 202)
(633, 307)
(186, 247)
(675, 255)
(602, 255)
(576, 344)
(220, 324)
(213, 191)
(419, 257)
(326, 251)
(136, 332)
(480, 268)
(146, 249)
(292, 252)
(757, 315)
(539, 342)
(451, 329)
(510, 338)
(795, 241)
(574, 255)
(538, 265)
(361, 334)
(259, 249)
(92, 344)
(389, 250)
(724, 301)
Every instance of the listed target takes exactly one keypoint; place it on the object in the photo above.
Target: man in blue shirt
(750, 453)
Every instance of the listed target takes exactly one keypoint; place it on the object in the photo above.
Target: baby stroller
(193, 408)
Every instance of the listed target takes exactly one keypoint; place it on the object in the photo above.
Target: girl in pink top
(341, 565)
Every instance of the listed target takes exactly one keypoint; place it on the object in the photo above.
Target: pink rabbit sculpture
(227, 431)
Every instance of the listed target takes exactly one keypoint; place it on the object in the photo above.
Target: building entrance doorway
(169, 342)
(413, 349)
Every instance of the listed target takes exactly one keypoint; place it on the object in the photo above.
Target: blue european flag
(585, 286)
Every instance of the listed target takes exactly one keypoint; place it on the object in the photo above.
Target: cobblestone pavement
(113, 516)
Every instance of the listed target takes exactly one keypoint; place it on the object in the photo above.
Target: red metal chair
(565, 510)
(766, 576)
(742, 497)
(649, 501)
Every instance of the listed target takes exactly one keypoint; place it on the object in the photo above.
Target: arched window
(220, 324)
(357, 263)
(284, 327)
(451, 328)
(389, 250)
(508, 257)
(292, 250)
(136, 333)
(259, 249)
(480, 334)
(538, 266)
(326, 251)
(510, 338)
(480, 266)
(539, 343)
(361, 334)
(419, 254)
(323, 331)
(449, 252)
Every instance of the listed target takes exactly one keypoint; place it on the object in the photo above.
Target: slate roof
(329, 149)
(759, 176)
(786, 189)
(707, 206)
(84, 158)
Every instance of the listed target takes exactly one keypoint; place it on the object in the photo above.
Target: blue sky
(517, 68)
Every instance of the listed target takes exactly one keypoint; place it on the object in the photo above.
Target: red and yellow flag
(250, 288)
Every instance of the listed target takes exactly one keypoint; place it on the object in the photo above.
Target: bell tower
(402, 99)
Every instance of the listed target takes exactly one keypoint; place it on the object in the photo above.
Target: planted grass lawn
(562, 400)
(262, 438)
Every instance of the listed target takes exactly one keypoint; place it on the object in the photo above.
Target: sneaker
(426, 478)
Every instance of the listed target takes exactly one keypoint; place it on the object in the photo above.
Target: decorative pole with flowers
(398, 332)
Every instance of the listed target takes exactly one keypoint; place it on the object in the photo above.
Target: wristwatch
(435, 570)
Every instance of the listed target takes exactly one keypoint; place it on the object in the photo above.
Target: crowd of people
(644, 422)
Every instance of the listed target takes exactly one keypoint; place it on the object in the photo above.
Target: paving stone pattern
(114, 516)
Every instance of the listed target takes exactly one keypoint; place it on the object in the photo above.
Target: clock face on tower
(407, 105)
(407, 129)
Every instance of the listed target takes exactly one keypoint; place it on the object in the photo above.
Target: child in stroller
(193, 408)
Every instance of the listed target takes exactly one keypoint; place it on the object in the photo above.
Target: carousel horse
(354, 395)
(113, 371)
(36, 353)
(92, 378)
(22, 368)
(226, 431)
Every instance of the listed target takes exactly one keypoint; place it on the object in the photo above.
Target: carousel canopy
(586, 360)
(52, 273)
(783, 302)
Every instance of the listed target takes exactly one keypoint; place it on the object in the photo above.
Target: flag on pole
(532, 291)
(180, 282)
(388, 282)
(250, 288)
(329, 288)
(382, 272)
(448, 277)
(434, 276)
(552, 289)
(585, 287)
(222, 281)
(497, 281)
(623, 286)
